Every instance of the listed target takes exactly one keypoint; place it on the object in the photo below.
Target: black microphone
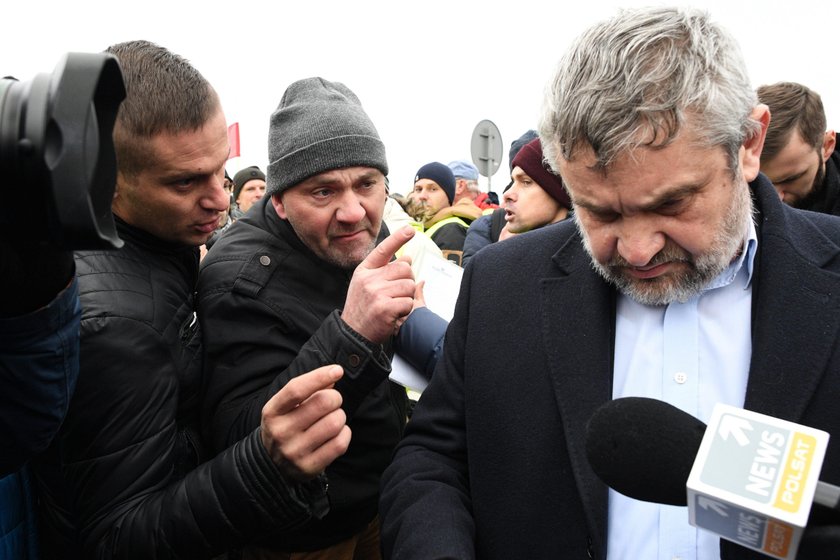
(645, 449)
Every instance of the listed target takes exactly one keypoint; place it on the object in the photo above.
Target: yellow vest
(450, 220)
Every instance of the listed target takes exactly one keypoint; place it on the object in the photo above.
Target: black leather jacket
(269, 311)
(132, 463)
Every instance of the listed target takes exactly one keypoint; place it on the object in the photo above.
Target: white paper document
(443, 281)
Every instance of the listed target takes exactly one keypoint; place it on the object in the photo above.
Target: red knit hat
(530, 159)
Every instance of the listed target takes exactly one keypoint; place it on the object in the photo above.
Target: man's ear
(460, 189)
(750, 153)
(119, 201)
(829, 141)
(277, 202)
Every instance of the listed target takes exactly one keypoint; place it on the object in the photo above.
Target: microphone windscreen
(644, 448)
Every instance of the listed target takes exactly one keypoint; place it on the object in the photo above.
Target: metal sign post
(486, 149)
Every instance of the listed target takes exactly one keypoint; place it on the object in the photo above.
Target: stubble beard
(816, 189)
(334, 255)
(348, 261)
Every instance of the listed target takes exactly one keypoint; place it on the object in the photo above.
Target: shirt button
(265, 260)
(354, 360)
(680, 377)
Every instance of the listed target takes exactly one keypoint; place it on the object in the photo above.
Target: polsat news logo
(792, 476)
(754, 479)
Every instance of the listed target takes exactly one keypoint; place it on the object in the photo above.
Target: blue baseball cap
(464, 169)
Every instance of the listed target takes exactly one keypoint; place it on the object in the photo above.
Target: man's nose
(639, 241)
(350, 209)
(510, 195)
(217, 198)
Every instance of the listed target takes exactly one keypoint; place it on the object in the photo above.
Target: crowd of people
(220, 386)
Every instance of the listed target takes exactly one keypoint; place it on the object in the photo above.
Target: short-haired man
(486, 230)
(800, 156)
(445, 216)
(306, 279)
(129, 476)
(248, 187)
(663, 286)
(535, 198)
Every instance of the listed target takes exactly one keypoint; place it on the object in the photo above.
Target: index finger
(302, 387)
(382, 253)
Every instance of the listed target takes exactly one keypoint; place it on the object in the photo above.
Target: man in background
(248, 188)
(800, 154)
(486, 229)
(445, 211)
(537, 196)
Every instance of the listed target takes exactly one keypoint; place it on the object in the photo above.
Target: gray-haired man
(662, 286)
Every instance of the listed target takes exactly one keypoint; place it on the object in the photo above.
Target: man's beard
(807, 201)
(695, 273)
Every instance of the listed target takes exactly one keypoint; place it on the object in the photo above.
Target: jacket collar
(184, 257)
(145, 239)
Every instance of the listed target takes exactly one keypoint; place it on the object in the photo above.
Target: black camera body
(57, 161)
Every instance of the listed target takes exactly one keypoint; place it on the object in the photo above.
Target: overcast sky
(426, 72)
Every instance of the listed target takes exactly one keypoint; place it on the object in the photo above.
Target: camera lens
(57, 161)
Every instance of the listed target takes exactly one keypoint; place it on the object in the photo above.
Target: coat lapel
(578, 326)
(796, 313)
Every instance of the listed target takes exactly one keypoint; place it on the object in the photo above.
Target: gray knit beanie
(319, 126)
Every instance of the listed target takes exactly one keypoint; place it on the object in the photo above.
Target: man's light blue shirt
(693, 355)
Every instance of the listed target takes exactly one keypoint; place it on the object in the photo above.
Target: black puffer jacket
(269, 310)
(130, 449)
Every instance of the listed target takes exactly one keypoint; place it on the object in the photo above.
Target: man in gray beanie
(319, 126)
(306, 279)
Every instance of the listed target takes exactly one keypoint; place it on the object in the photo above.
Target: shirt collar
(746, 257)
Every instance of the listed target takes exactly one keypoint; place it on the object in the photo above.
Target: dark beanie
(518, 144)
(243, 176)
(319, 126)
(530, 159)
(440, 174)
